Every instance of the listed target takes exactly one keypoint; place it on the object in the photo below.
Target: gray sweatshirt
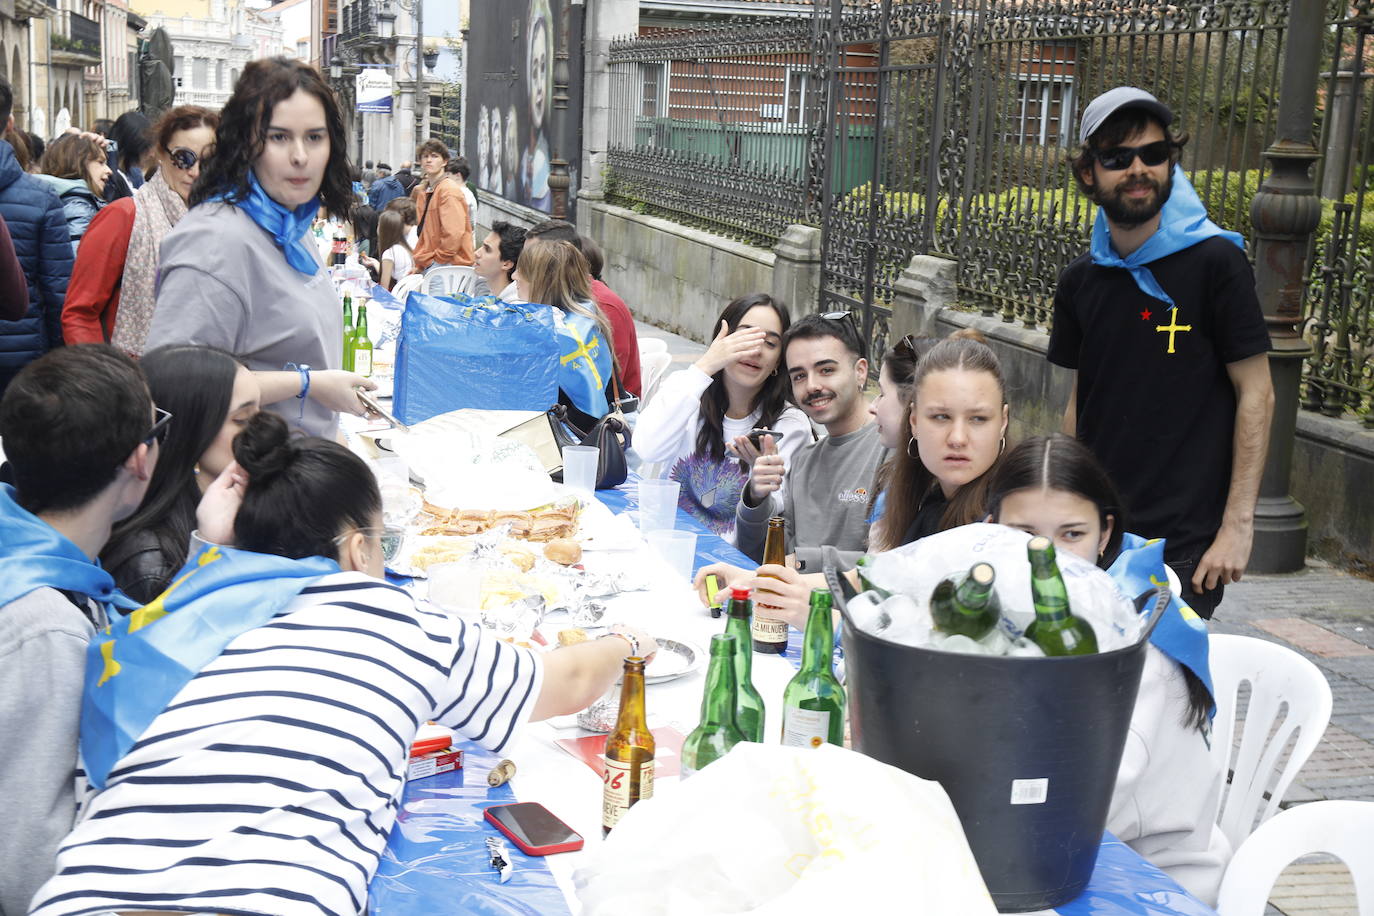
(223, 281)
(43, 639)
(827, 494)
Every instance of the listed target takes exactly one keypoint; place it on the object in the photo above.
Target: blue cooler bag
(474, 352)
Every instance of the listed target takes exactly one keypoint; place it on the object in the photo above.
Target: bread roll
(564, 551)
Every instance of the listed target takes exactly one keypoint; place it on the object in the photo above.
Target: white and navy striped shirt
(270, 782)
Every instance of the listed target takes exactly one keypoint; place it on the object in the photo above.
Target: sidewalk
(1327, 616)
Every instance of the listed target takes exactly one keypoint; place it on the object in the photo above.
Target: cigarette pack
(434, 762)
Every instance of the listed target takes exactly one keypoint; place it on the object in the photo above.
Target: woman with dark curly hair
(240, 271)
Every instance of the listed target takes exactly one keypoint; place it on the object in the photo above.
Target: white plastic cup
(677, 548)
(658, 505)
(579, 467)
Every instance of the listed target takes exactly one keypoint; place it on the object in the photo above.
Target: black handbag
(610, 434)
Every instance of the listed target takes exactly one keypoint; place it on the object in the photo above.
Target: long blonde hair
(556, 274)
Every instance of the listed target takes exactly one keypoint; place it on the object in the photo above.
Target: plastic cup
(457, 586)
(658, 505)
(579, 466)
(677, 548)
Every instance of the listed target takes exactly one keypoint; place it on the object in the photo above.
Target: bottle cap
(739, 594)
(982, 573)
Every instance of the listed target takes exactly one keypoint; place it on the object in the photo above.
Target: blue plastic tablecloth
(436, 857)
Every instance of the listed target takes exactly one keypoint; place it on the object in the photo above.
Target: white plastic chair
(407, 285)
(1342, 828)
(451, 280)
(1280, 680)
(651, 369)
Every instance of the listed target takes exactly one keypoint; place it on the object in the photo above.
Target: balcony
(80, 47)
(366, 24)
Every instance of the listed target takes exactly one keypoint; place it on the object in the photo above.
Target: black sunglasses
(160, 427)
(183, 158)
(1121, 157)
(906, 347)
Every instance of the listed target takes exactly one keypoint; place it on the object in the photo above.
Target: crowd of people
(171, 378)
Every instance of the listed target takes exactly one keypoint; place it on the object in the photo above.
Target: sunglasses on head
(1121, 157)
(160, 427)
(183, 158)
(906, 347)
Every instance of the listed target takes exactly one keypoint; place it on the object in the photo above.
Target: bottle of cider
(1055, 629)
(748, 704)
(813, 703)
(348, 333)
(362, 344)
(629, 776)
(770, 635)
(717, 733)
(969, 608)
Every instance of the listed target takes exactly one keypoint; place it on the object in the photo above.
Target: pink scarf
(157, 208)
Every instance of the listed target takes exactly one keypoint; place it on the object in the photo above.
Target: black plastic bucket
(1027, 749)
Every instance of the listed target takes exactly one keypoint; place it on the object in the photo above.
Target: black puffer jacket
(39, 229)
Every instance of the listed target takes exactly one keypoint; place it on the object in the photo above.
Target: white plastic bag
(783, 831)
(915, 569)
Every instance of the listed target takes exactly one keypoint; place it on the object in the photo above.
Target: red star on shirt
(1145, 315)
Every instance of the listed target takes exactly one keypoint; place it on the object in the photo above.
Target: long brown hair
(907, 480)
(555, 273)
(391, 230)
(67, 156)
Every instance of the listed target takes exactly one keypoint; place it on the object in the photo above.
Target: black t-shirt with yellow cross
(1155, 404)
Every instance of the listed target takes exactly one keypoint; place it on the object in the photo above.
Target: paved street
(1328, 617)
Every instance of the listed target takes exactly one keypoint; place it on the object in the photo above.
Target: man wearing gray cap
(1164, 332)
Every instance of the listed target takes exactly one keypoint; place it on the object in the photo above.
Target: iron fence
(1339, 375)
(711, 127)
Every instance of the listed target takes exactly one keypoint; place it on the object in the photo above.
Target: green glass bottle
(1055, 629)
(348, 333)
(748, 705)
(717, 732)
(813, 702)
(362, 344)
(969, 608)
(862, 567)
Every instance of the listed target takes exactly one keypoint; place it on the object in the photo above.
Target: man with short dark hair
(385, 189)
(445, 232)
(82, 436)
(626, 339)
(828, 484)
(1162, 328)
(38, 226)
(497, 258)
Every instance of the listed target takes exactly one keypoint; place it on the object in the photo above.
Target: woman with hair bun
(112, 293)
(279, 754)
(240, 271)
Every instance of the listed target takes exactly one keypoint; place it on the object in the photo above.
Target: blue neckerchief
(1180, 634)
(137, 665)
(1182, 224)
(34, 555)
(288, 228)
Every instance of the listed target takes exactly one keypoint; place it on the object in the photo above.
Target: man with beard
(828, 484)
(1162, 328)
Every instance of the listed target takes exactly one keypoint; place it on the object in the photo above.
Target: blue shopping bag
(474, 352)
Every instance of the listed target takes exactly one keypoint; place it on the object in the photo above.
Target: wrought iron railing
(711, 127)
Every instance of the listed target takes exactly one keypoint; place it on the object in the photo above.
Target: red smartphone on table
(534, 829)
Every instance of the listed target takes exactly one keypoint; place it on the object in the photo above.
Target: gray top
(43, 639)
(224, 282)
(828, 489)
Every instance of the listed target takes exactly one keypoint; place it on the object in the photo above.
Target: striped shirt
(270, 782)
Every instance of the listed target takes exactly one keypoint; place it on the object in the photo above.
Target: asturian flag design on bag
(585, 364)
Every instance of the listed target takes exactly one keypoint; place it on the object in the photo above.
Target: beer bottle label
(616, 797)
(768, 630)
(805, 727)
(362, 362)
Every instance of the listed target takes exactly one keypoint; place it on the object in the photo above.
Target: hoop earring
(909, 443)
(774, 373)
(1001, 446)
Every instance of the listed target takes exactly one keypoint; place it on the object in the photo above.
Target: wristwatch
(629, 638)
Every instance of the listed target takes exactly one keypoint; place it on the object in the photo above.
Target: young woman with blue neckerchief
(240, 272)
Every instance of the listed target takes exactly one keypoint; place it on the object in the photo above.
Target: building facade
(212, 41)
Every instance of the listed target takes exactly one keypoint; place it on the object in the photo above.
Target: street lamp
(386, 21)
(336, 68)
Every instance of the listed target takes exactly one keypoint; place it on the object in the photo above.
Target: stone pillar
(605, 20)
(928, 285)
(1284, 213)
(1344, 117)
(797, 269)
